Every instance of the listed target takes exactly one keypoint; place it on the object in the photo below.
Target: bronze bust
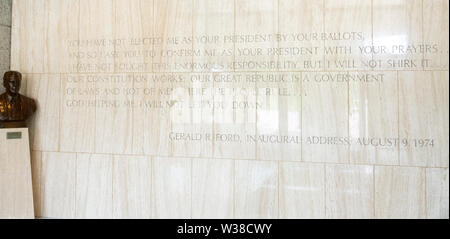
(15, 108)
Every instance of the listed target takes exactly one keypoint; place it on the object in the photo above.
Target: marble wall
(5, 36)
(237, 109)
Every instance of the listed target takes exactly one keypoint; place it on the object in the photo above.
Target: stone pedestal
(16, 193)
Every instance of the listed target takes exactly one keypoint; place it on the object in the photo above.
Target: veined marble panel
(256, 189)
(45, 125)
(346, 25)
(113, 117)
(96, 43)
(132, 18)
(235, 120)
(373, 118)
(424, 117)
(349, 191)
(437, 193)
(77, 114)
(302, 190)
(57, 191)
(173, 23)
(299, 24)
(325, 117)
(94, 192)
(279, 117)
(212, 188)
(397, 27)
(171, 188)
(28, 27)
(258, 18)
(435, 31)
(399, 192)
(131, 187)
(211, 22)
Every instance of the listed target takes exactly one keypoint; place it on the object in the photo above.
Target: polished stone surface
(5, 36)
(237, 109)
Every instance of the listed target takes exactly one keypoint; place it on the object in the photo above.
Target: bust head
(11, 82)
